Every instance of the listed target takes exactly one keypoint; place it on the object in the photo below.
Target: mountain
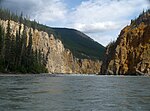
(130, 54)
(80, 44)
(30, 47)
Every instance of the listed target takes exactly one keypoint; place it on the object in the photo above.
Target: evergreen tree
(15, 54)
(7, 46)
(12, 53)
(1, 48)
(23, 45)
(17, 49)
(1, 38)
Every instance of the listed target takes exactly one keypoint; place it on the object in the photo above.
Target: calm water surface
(74, 93)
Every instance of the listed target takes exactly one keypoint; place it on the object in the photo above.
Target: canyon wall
(130, 54)
(58, 59)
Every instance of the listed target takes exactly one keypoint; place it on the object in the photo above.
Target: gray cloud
(25, 6)
(41, 10)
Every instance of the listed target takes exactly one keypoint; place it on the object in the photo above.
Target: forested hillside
(16, 55)
(80, 44)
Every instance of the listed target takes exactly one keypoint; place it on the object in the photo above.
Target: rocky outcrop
(58, 59)
(130, 54)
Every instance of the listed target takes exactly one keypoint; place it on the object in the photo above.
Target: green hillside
(80, 44)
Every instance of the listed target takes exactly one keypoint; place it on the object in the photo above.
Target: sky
(102, 20)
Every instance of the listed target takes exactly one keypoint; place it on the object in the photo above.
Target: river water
(74, 93)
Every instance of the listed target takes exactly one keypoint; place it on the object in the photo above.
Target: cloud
(97, 27)
(54, 10)
(105, 16)
(41, 10)
(106, 13)
(24, 6)
(102, 20)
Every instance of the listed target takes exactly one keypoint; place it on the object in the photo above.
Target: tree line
(6, 14)
(15, 55)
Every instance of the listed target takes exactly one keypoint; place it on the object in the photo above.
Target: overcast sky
(102, 20)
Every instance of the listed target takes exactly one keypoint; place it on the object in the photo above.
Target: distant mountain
(130, 54)
(81, 45)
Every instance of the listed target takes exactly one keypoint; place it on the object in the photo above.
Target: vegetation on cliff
(130, 54)
(15, 55)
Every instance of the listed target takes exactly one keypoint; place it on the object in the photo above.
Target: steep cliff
(58, 58)
(130, 54)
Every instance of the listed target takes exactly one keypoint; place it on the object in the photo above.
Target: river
(74, 93)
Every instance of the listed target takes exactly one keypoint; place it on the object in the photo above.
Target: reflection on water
(74, 93)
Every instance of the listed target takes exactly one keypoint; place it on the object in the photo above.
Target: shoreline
(66, 74)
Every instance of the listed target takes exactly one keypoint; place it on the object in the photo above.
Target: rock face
(58, 59)
(130, 54)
